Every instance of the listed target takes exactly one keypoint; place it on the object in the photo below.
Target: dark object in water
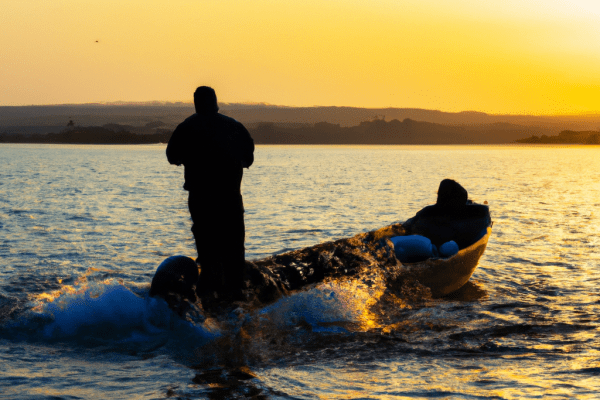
(175, 280)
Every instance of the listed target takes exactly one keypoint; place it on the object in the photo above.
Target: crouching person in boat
(453, 223)
(442, 244)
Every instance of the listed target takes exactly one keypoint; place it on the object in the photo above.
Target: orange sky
(531, 57)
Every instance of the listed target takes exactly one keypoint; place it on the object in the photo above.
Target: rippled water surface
(82, 229)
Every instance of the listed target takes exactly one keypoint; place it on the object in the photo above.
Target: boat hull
(444, 276)
(358, 255)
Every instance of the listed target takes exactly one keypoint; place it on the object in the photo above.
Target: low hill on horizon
(379, 131)
(170, 114)
(376, 131)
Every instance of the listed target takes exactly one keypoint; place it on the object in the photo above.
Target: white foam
(332, 302)
(114, 312)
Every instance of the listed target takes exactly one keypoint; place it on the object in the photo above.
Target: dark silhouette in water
(175, 280)
(214, 149)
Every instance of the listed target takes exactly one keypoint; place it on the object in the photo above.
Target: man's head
(451, 195)
(205, 100)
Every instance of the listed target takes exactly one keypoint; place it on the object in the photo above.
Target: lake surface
(83, 228)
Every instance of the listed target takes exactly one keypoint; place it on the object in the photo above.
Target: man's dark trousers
(219, 232)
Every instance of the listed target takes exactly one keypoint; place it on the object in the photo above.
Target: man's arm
(176, 149)
(247, 147)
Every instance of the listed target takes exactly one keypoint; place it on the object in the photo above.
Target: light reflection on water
(526, 325)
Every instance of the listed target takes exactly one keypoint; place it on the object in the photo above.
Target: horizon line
(264, 104)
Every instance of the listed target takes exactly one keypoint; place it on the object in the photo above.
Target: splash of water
(107, 311)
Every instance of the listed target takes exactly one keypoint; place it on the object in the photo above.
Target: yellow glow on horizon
(529, 57)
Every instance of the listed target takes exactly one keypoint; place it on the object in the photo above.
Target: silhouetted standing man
(214, 149)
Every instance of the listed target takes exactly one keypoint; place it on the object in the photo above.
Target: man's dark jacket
(213, 149)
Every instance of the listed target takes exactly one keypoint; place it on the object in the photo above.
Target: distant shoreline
(154, 122)
(373, 132)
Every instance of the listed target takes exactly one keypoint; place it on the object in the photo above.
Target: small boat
(285, 273)
(444, 276)
(268, 279)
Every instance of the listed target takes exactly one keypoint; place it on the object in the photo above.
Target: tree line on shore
(90, 135)
(375, 131)
(565, 137)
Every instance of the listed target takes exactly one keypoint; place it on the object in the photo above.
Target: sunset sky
(514, 56)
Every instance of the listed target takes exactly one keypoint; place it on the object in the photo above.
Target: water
(82, 229)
